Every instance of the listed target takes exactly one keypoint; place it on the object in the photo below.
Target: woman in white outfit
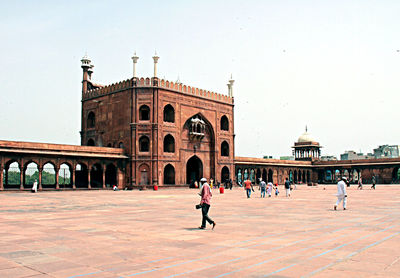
(341, 193)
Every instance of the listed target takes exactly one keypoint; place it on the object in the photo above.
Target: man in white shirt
(341, 193)
(34, 186)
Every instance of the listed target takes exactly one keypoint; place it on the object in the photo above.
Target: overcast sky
(331, 65)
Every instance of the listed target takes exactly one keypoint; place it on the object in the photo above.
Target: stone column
(21, 178)
(73, 178)
(40, 178)
(1, 178)
(89, 185)
(104, 176)
(57, 178)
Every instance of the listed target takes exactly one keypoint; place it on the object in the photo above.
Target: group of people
(266, 188)
(228, 184)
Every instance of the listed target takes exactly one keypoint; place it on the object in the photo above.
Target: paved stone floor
(154, 234)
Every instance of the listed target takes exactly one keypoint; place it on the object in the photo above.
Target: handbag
(198, 206)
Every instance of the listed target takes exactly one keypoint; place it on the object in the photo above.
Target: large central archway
(194, 169)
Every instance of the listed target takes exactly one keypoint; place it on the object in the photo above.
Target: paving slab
(123, 234)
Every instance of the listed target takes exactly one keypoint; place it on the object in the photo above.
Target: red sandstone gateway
(173, 134)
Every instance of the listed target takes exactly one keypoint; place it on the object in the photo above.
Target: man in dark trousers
(287, 187)
(205, 204)
(373, 182)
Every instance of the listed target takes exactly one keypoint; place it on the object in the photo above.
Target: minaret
(85, 66)
(134, 59)
(155, 58)
(90, 71)
(230, 87)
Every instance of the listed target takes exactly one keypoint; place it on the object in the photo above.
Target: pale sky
(331, 65)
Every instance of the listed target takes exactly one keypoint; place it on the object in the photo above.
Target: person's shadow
(192, 229)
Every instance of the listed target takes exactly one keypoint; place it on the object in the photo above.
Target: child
(276, 190)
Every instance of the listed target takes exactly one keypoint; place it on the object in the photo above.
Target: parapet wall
(164, 84)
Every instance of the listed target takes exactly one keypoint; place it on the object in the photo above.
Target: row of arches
(194, 172)
(15, 175)
(332, 175)
(272, 175)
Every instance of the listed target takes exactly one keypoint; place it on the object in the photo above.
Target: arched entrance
(169, 174)
(64, 174)
(111, 175)
(81, 176)
(49, 175)
(224, 174)
(258, 176)
(264, 175)
(270, 176)
(194, 169)
(96, 176)
(31, 173)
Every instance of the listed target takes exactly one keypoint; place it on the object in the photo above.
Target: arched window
(144, 113)
(169, 144)
(144, 144)
(90, 142)
(91, 120)
(224, 149)
(169, 174)
(224, 123)
(169, 113)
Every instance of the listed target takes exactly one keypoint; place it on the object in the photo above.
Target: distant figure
(263, 186)
(276, 190)
(205, 204)
(287, 187)
(373, 182)
(230, 183)
(269, 189)
(211, 183)
(341, 193)
(34, 187)
(248, 186)
(196, 185)
(360, 185)
(115, 188)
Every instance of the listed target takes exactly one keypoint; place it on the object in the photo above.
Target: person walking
(360, 185)
(341, 193)
(263, 186)
(248, 186)
(287, 187)
(34, 187)
(373, 182)
(230, 183)
(269, 189)
(276, 190)
(205, 204)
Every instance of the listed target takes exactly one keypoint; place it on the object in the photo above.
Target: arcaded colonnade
(56, 166)
(385, 170)
(273, 170)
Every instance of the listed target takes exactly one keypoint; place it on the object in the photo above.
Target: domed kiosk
(306, 148)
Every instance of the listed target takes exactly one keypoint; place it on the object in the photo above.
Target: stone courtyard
(154, 234)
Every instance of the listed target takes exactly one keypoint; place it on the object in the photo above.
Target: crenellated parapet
(115, 87)
(164, 84)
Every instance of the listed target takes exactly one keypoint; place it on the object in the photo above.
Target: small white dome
(306, 137)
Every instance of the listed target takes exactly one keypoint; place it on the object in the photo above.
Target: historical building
(143, 132)
(172, 133)
(306, 148)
